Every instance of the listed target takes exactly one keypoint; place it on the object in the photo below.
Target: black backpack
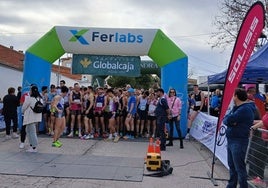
(38, 106)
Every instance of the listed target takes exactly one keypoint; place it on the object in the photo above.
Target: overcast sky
(187, 22)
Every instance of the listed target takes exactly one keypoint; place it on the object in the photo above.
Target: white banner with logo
(204, 130)
(108, 41)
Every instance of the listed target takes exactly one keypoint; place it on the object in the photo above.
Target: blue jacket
(215, 101)
(239, 121)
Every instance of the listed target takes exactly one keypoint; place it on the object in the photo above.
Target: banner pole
(211, 175)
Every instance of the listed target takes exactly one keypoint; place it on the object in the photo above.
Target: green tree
(144, 81)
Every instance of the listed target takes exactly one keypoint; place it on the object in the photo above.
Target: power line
(195, 35)
(20, 33)
(202, 69)
(206, 62)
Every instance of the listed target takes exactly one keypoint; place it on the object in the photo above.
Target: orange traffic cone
(151, 146)
(157, 146)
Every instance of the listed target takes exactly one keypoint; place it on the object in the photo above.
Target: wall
(9, 78)
(13, 78)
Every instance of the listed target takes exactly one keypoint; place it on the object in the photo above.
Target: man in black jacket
(162, 113)
(10, 103)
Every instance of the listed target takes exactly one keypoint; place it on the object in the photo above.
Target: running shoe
(22, 145)
(187, 137)
(59, 143)
(116, 139)
(15, 135)
(71, 135)
(85, 137)
(108, 139)
(104, 135)
(7, 137)
(126, 136)
(96, 135)
(56, 144)
(31, 150)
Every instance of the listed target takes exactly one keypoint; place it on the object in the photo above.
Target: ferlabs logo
(78, 36)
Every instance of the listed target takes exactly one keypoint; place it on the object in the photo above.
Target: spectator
(45, 98)
(31, 118)
(175, 106)
(259, 158)
(205, 104)
(19, 95)
(23, 127)
(238, 123)
(162, 113)
(10, 103)
(215, 103)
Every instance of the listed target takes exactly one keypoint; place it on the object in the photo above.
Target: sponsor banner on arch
(109, 41)
(106, 65)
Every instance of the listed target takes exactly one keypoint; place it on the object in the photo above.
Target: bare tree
(229, 21)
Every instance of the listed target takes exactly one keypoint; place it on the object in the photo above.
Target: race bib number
(142, 107)
(152, 108)
(198, 103)
(99, 105)
(77, 100)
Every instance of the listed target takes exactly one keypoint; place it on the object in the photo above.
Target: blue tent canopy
(256, 71)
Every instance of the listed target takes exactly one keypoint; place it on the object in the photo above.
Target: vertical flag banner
(246, 40)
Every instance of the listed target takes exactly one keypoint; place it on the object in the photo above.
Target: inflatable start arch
(109, 41)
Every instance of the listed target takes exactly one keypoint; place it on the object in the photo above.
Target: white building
(11, 71)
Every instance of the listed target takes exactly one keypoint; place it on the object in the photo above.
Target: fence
(257, 157)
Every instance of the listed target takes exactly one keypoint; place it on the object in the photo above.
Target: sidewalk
(194, 160)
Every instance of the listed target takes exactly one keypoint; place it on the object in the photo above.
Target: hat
(131, 90)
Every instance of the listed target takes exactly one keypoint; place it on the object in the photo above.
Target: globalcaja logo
(77, 36)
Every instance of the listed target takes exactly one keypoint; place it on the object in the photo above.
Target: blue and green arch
(109, 41)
